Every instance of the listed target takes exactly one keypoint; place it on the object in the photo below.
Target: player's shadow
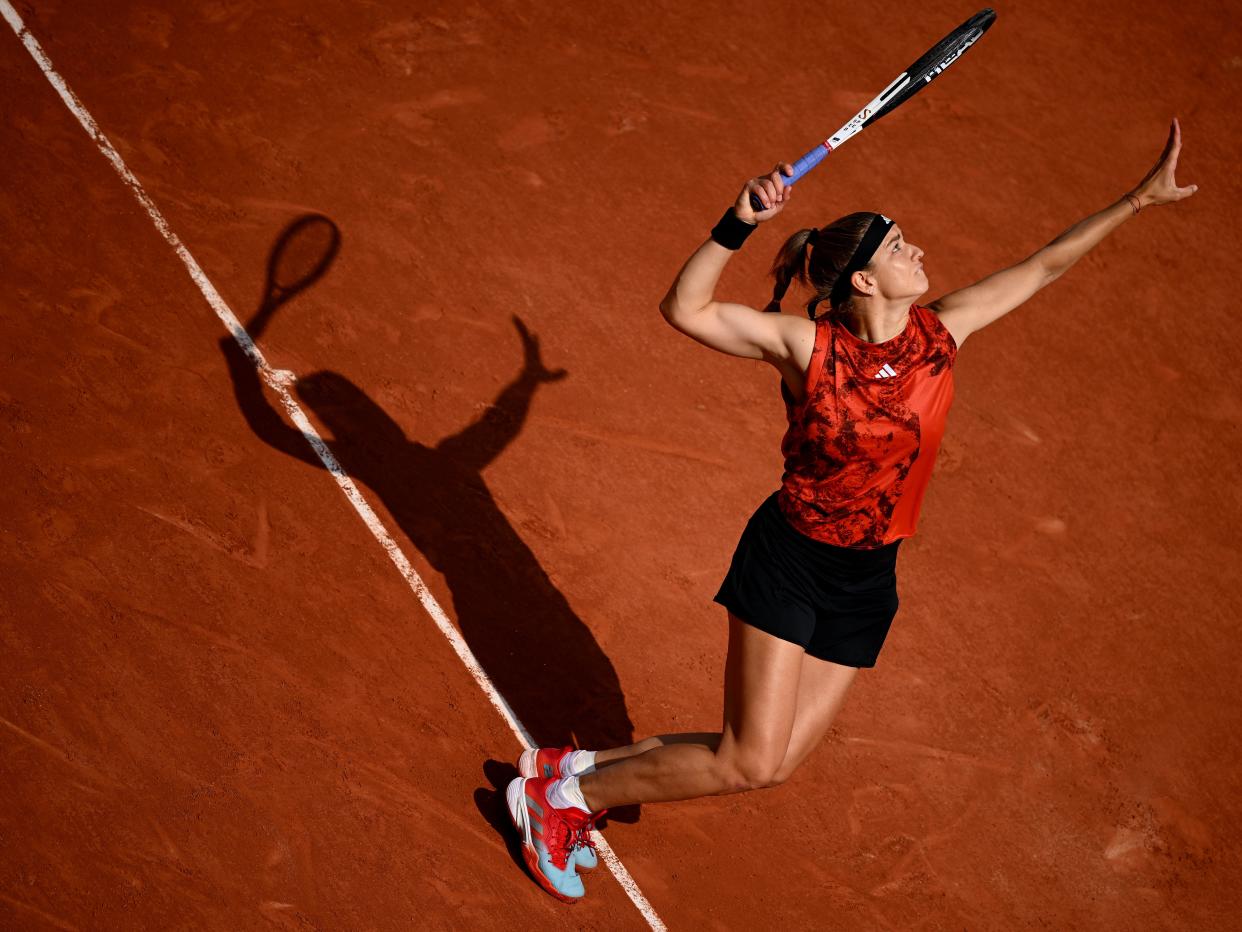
(541, 656)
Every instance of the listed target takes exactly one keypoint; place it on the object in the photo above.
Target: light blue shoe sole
(565, 884)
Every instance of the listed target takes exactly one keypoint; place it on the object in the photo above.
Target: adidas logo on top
(885, 373)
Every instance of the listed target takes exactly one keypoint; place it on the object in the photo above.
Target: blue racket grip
(800, 168)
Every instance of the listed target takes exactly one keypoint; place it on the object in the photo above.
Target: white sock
(564, 793)
(578, 763)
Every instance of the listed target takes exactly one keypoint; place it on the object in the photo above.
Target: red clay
(222, 707)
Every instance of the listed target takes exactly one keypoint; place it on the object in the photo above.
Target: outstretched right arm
(736, 329)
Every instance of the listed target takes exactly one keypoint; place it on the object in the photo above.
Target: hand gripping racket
(939, 57)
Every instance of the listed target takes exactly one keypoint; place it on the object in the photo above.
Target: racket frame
(928, 66)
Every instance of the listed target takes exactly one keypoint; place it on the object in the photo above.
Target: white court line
(279, 380)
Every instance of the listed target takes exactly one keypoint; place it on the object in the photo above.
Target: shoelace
(582, 835)
(565, 832)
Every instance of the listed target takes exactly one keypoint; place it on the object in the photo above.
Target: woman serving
(867, 378)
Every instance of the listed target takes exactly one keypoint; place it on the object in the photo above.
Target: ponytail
(790, 263)
(817, 258)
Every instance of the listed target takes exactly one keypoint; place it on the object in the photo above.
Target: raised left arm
(975, 306)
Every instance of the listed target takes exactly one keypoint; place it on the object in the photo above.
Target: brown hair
(817, 258)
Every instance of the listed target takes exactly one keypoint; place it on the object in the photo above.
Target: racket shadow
(539, 653)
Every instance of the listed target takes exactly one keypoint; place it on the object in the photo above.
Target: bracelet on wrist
(1134, 202)
(731, 231)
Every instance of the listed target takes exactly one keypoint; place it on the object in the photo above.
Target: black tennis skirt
(836, 602)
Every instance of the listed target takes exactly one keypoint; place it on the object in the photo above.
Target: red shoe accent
(542, 763)
(548, 834)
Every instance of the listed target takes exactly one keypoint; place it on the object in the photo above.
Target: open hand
(533, 365)
(1160, 187)
(771, 191)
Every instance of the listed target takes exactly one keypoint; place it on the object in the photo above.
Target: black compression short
(835, 602)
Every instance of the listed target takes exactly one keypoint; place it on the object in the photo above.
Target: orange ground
(220, 705)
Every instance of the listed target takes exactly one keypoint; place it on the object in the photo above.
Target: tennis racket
(303, 253)
(932, 63)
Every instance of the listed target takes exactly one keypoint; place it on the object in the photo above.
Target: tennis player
(867, 382)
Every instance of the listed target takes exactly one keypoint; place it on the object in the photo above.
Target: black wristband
(732, 231)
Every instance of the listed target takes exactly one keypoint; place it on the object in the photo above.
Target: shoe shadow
(490, 801)
(625, 815)
(516, 621)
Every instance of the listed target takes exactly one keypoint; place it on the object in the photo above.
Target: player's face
(898, 267)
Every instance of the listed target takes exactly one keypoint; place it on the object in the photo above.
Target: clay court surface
(222, 706)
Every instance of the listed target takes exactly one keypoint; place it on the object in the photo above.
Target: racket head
(301, 256)
(932, 63)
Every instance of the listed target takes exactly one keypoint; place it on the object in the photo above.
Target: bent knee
(783, 773)
(745, 775)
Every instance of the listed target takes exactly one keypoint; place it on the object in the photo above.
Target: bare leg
(709, 740)
(761, 694)
(822, 688)
(821, 693)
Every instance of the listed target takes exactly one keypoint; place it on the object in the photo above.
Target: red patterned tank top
(860, 447)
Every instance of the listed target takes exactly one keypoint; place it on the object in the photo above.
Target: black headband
(876, 231)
